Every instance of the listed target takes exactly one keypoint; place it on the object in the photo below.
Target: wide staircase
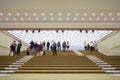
(64, 62)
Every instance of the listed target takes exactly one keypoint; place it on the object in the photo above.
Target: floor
(60, 77)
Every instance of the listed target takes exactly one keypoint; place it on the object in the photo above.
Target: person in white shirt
(91, 46)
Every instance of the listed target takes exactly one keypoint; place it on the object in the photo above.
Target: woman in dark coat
(19, 48)
(13, 48)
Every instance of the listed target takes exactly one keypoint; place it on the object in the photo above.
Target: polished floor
(59, 77)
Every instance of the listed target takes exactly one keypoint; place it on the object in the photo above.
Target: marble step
(7, 71)
(9, 68)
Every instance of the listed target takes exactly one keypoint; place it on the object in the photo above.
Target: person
(91, 46)
(35, 48)
(44, 43)
(95, 45)
(13, 48)
(19, 48)
(28, 51)
(64, 46)
(54, 49)
(58, 46)
(51, 46)
(68, 45)
(40, 48)
(48, 45)
(31, 45)
(88, 46)
(44, 51)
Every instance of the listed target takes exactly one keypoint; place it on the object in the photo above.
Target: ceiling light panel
(65, 15)
(74, 37)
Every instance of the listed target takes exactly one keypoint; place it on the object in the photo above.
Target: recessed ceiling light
(101, 14)
(26, 14)
(44, 18)
(60, 18)
(43, 14)
(118, 14)
(6, 18)
(82, 19)
(85, 14)
(29, 18)
(18, 14)
(98, 19)
(52, 18)
(68, 14)
(113, 19)
(105, 19)
(34, 14)
(36, 18)
(21, 18)
(93, 14)
(9, 14)
(59, 14)
(51, 14)
(14, 19)
(1, 14)
(110, 14)
(90, 19)
(75, 19)
(67, 18)
(76, 14)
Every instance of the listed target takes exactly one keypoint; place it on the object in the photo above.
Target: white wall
(5, 42)
(111, 45)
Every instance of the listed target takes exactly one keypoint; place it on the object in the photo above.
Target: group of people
(40, 49)
(90, 46)
(15, 48)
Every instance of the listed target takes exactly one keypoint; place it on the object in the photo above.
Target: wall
(111, 45)
(5, 42)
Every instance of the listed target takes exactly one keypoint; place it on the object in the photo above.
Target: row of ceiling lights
(51, 14)
(60, 19)
(61, 31)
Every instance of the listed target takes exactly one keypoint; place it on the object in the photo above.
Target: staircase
(64, 62)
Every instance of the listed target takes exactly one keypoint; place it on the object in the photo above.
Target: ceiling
(59, 14)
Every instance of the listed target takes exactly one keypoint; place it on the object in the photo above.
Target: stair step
(15, 65)
(108, 68)
(112, 71)
(8, 71)
(105, 65)
(9, 68)
(60, 71)
(21, 61)
(101, 63)
(60, 68)
(18, 63)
